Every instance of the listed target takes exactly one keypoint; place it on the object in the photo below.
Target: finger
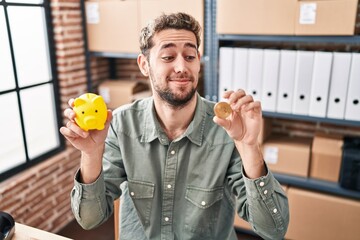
(241, 102)
(71, 102)
(67, 133)
(256, 106)
(109, 115)
(236, 95)
(227, 94)
(70, 114)
(76, 129)
(108, 119)
(222, 122)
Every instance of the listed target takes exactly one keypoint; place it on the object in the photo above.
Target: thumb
(221, 122)
(108, 119)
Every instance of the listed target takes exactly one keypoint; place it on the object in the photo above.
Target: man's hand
(91, 144)
(85, 141)
(244, 124)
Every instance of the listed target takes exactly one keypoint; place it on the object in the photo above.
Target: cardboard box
(326, 156)
(256, 17)
(326, 17)
(288, 155)
(150, 9)
(112, 26)
(319, 216)
(120, 92)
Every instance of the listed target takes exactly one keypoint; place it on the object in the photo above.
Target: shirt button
(172, 152)
(169, 186)
(265, 192)
(166, 219)
(132, 193)
(275, 210)
(203, 203)
(262, 184)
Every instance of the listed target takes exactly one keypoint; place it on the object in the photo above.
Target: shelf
(204, 58)
(317, 185)
(304, 39)
(114, 55)
(342, 122)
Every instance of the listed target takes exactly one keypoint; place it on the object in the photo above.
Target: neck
(174, 121)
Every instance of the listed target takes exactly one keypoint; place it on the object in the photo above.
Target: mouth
(181, 81)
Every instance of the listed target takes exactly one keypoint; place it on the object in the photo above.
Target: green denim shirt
(188, 188)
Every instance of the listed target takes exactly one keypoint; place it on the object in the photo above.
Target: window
(29, 104)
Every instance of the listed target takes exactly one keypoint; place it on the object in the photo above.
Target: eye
(96, 110)
(167, 58)
(190, 58)
(83, 112)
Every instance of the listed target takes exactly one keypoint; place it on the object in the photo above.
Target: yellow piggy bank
(91, 111)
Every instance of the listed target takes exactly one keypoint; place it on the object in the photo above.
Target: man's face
(174, 66)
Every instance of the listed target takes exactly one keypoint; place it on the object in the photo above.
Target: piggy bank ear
(79, 101)
(97, 100)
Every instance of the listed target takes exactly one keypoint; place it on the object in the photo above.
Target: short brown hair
(179, 21)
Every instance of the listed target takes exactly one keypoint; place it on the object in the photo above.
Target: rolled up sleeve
(268, 206)
(88, 202)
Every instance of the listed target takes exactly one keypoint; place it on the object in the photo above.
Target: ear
(199, 58)
(97, 100)
(143, 64)
(79, 101)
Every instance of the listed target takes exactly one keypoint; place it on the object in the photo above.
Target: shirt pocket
(202, 211)
(142, 194)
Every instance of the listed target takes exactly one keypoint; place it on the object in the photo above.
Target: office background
(321, 53)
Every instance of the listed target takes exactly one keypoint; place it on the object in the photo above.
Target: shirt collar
(151, 126)
(194, 132)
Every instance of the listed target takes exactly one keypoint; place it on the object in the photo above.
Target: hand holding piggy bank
(91, 111)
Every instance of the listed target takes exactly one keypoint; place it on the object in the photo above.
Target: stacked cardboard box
(316, 215)
(288, 155)
(326, 157)
(287, 17)
(121, 91)
(114, 26)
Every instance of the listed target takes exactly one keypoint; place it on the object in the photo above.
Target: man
(182, 164)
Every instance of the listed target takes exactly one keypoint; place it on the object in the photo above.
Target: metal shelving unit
(339, 122)
(317, 185)
(296, 39)
(212, 92)
(114, 55)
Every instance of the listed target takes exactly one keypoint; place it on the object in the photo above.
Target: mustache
(180, 77)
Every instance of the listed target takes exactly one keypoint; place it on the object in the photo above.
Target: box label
(271, 155)
(105, 93)
(307, 13)
(92, 13)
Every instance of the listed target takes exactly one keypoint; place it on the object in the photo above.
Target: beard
(175, 100)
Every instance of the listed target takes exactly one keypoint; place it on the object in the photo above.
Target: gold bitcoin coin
(222, 110)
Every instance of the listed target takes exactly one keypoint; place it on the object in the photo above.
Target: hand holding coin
(222, 110)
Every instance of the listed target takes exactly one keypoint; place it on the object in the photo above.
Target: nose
(180, 65)
(90, 121)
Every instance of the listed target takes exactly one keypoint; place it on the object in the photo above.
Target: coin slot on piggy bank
(91, 111)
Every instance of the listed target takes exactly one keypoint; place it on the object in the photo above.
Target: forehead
(175, 36)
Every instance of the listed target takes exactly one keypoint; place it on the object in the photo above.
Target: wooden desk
(23, 232)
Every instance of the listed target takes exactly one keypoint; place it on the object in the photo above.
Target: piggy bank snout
(91, 121)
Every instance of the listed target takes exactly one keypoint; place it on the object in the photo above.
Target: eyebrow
(169, 45)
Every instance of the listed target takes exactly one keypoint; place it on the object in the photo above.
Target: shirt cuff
(91, 190)
(260, 188)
